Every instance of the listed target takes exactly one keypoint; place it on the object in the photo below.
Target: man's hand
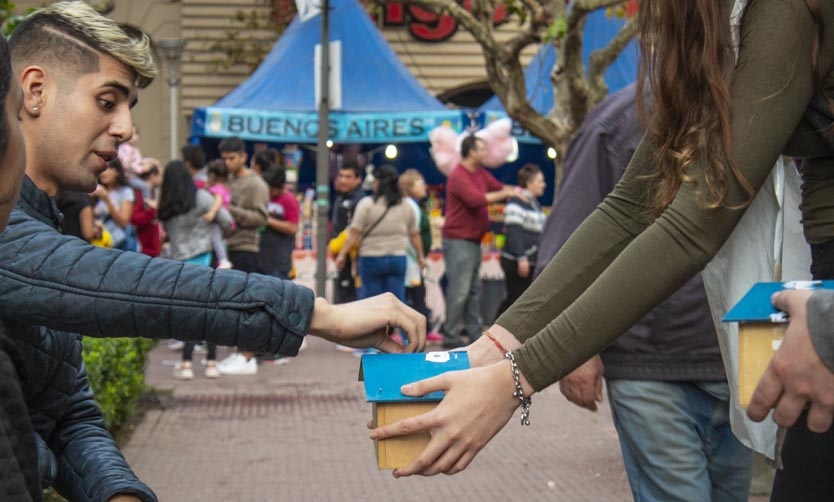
(583, 386)
(796, 376)
(511, 191)
(366, 323)
(523, 268)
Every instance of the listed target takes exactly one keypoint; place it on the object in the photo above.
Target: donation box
(383, 375)
(760, 331)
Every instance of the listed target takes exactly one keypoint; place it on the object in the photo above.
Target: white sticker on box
(802, 284)
(437, 357)
(779, 317)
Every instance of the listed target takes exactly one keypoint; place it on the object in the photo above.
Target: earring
(36, 111)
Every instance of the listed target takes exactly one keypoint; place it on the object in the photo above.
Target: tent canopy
(374, 97)
(599, 31)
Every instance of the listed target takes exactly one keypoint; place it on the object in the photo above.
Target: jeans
(463, 267)
(382, 274)
(677, 443)
(280, 274)
(188, 351)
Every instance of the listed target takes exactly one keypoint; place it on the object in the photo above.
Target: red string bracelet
(496, 342)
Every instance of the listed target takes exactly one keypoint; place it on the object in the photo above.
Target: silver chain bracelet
(519, 392)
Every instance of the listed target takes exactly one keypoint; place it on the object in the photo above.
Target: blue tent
(599, 31)
(381, 101)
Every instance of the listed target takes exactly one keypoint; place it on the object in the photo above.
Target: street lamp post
(172, 52)
(323, 155)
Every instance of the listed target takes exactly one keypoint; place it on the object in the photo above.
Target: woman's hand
(478, 403)
(366, 323)
(209, 216)
(483, 351)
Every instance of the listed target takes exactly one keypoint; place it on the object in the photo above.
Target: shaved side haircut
(70, 36)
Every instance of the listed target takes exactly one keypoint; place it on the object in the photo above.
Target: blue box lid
(755, 305)
(384, 374)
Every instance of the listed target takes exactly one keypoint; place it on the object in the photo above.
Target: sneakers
(175, 344)
(224, 264)
(236, 364)
(183, 371)
(278, 361)
(211, 370)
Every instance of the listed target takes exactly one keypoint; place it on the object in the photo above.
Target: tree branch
(603, 58)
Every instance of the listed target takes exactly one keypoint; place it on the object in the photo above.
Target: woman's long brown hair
(687, 59)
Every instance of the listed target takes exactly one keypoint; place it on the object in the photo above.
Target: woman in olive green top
(710, 146)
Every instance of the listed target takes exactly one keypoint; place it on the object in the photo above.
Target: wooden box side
(757, 342)
(400, 451)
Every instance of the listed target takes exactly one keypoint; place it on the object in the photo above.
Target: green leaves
(116, 370)
(557, 29)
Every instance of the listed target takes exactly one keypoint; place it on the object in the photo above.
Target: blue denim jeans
(463, 267)
(382, 274)
(677, 443)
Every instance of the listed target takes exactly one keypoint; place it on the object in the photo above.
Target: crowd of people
(201, 252)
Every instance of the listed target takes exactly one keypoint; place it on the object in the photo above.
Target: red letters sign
(427, 26)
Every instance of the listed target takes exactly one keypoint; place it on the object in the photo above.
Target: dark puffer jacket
(18, 455)
(76, 454)
(64, 283)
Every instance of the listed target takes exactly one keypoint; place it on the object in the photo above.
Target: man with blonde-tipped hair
(80, 74)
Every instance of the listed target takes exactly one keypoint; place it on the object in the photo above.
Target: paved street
(297, 433)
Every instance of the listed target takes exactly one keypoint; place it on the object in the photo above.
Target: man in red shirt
(469, 189)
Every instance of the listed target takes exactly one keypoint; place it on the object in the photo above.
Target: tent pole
(323, 155)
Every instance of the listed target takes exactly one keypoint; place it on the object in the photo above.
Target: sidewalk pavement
(297, 432)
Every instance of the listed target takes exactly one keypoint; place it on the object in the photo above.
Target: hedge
(116, 369)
